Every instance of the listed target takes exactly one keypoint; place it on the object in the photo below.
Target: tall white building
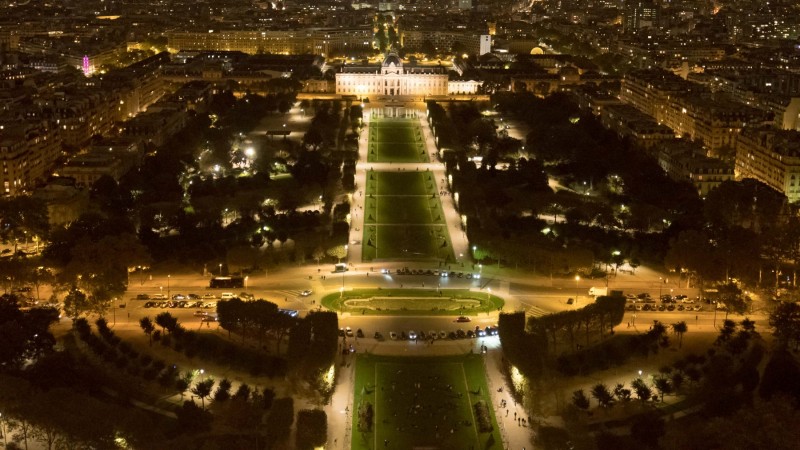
(392, 78)
(486, 44)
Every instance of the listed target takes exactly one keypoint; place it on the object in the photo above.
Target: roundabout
(412, 302)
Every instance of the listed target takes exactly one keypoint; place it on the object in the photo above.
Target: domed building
(393, 79)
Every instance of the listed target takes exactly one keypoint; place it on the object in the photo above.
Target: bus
(226, 283)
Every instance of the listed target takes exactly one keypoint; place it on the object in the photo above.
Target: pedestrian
(515, 415)
(506, 413)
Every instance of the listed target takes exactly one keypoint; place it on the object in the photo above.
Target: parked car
(200, 314)
(460, 334)
(348, 332)
(432, 334)
(359, 333)
(393, 335)
(142, 297)
(227, 296)
(209, 296)
(463, 319)
(178, 297)
(378, 336)
(412, 335)
(442, 334)
(148, 304)
(306, 293)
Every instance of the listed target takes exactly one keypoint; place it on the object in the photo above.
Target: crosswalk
(535, 311)
(291, 294)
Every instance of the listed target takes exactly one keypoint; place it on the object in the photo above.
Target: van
(227, 295)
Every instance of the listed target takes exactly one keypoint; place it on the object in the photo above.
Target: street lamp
(489, 294)
(220, 269)
(168, 277)
(577, 289)
(245, 282)
(202, 371)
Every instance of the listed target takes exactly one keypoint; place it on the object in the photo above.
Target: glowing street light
(577, 289)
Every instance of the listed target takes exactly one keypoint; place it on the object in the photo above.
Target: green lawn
(422, 402)
(398, 140)
(403, 210)
(400, 183)
(413, 302)
(406, 242)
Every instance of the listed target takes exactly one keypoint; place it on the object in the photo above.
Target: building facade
(772, 157)
(392, 78)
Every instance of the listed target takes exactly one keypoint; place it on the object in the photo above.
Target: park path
(458, 237)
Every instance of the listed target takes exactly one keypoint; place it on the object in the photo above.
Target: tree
(76, 303)
(312, 429)
(192, 419)
(580, 400)
(622, 393)
(663, 386)
(223, 391)
(781, 376)
(643, 391)
(726, 332)
(318, 254)
(101, 267)
(22, 218)
(24, 336)
(243, 392)
(148, 328)
(680, 328)
(381, 40)
(279, 420)
(203, 390)
(166, 321)
(603, 396)
(785, 322)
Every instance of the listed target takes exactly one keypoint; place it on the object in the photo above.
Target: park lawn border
(488, 302)
(400, 133)
(470, 381)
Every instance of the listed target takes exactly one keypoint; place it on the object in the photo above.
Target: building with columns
(392, 79)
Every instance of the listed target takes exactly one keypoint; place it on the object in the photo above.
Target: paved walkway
(458, 237)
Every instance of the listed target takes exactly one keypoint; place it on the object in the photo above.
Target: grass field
(400, 183)
(396, 140)
(406, 242)
(413, 302)
(403, 210)
(404, 218)
(422, 403)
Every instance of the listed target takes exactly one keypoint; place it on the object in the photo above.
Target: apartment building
(771, 156)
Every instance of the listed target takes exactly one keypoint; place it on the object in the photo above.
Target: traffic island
(412, 302)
